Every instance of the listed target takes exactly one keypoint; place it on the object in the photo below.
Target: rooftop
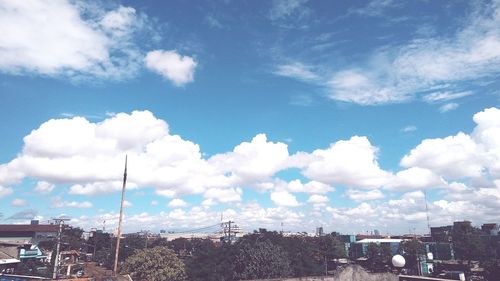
(382, 240)
(28, 228)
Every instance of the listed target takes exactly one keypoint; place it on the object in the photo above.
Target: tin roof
(28, 228)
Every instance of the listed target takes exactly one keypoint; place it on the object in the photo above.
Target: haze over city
(288, 115)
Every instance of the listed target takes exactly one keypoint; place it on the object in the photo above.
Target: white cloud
(59, 203)
(350, 162)
(224, 195)
(5, 191)
(154, 203)
(415, 177)
(360, 87)
(283, 9)
(463, 155)
(297, 71)
(172, 66)
(18, 202)
(318, 199)
(95, 188)
(409, 129)
(249, 216)
(454, 156)
(88, 157)
(44, 187)
(374, 8)
(448, 107)
(312, 187)
(400, 73)
(69, 39)
(213, 22)
(359, 195)
(445, 96)
(284, 198)
(177, 203)
(127, 204)
(253, 161)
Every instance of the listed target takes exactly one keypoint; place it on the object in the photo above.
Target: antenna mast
(427, 213)
(119, 232)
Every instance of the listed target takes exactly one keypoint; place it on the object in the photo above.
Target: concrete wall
(350, 273)
(419, 278)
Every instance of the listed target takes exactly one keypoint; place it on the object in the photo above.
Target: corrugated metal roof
(383, 240)
(28, 228)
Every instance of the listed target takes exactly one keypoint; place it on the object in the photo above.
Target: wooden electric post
(119, 232)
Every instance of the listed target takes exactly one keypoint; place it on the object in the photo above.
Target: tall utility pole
(119, 232)
(229, 231)
(59, 221)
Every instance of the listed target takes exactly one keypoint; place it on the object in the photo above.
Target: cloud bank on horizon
(85, 158)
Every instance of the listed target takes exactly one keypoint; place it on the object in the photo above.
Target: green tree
(385, 253)
(468, 243)
(302, 253)
(211, 263)
(373, 255)
(412, 250)
(261, 260)
(154, 264)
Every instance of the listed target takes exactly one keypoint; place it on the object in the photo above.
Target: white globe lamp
(398, 261)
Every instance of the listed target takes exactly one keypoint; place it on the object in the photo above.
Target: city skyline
(334, 114)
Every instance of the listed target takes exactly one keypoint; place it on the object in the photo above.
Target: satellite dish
(430, 256)
(398, 261)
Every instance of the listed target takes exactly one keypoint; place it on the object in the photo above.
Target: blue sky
(338, 114)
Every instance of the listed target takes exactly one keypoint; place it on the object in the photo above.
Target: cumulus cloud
(318, 199)
(366, 195)
(86, 158)
(313, 187)
(70, 39)
(253, 161)
(59, 203)
(177, 203)
(44, 187)
(127, 204)
(284, 198)
(172, 66)
(350, 162)
(462, 155)
(250, 216)
(224, 195)
(415, 177)
(90, 156)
